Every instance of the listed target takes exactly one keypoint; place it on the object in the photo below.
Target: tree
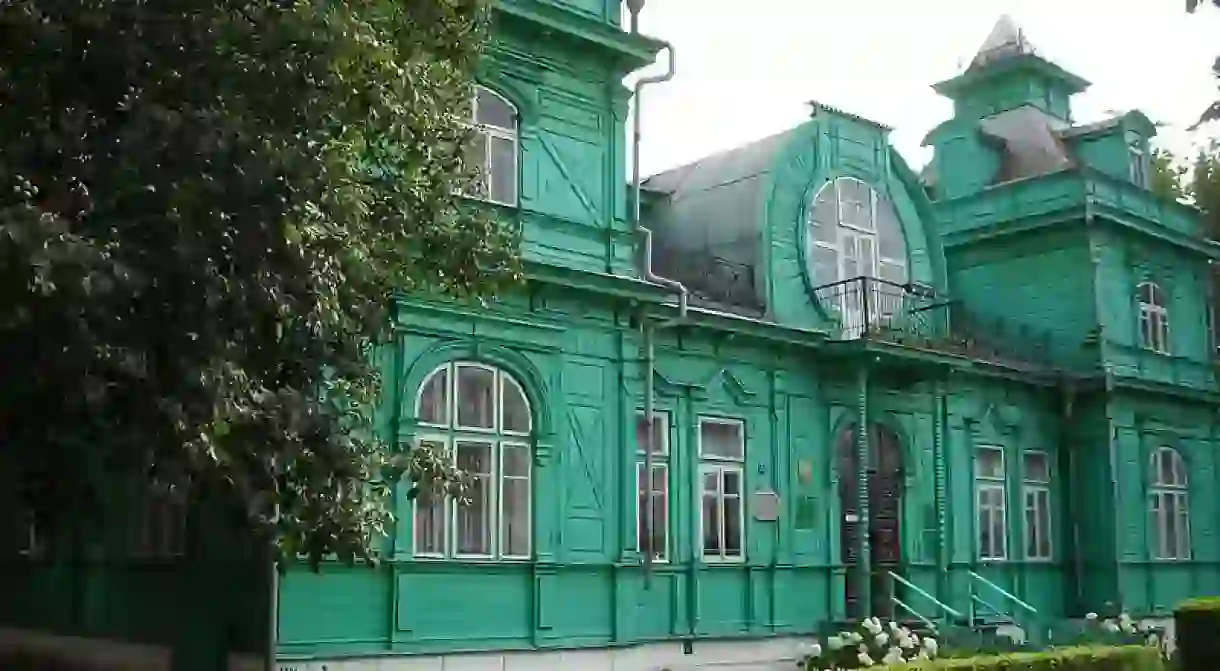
(205, 207)
(1212, 113)
(1196, 182)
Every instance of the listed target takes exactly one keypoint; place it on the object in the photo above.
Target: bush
(871, 643)
(1197, 633)
(1125, 658)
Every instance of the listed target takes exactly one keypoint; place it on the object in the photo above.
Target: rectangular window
(990, 503)
(652, 533)
(721, 513)
(492, 517)
(1036, 488)
(1139, 168)
(1169, 518)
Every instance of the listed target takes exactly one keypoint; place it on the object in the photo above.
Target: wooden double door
(883, 524)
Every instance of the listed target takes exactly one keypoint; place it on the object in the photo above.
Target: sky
(746, 70)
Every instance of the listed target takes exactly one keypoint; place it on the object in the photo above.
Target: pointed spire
(1006, 39)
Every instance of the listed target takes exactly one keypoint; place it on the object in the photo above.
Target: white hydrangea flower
(1153, 640)
(922, 655)
(865, 660)
(1090, 616)
(893, 626)
(881, 639)
(894, 656)
(907, 641)
(835, 643)
(929, 644)
(1110, 626)
(814, 650)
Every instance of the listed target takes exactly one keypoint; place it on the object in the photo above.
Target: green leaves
(205, 208)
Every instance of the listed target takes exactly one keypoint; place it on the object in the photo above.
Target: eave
(631, 50)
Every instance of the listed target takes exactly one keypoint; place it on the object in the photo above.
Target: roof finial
(1006, 39)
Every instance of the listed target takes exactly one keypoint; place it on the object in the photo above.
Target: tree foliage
(205, 206)
(1212, 113)
(1195, 181)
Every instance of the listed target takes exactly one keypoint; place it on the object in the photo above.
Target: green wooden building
(985, 392)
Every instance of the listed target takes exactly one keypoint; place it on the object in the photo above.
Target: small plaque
(766, 506)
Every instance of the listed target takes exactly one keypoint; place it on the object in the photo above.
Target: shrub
(1125, 658)
(871, 643)
(1197, 630)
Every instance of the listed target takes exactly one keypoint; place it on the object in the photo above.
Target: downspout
(273, 606)
(634, 6)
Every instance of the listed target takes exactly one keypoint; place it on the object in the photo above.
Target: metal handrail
(918, 616)
(915, 588)
(1004, 592)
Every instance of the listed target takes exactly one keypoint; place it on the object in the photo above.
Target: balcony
(868, 309)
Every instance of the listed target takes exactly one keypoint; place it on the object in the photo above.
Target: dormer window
(854, 232)
(1138, 161)
(1154, 317)
(493, 149)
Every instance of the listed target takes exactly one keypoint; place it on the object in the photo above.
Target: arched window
(493, 149)
(854, 231)
(1168, 505)
(1154, 317)
(481, 416)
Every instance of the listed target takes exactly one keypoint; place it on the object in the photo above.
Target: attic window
(854, 232)
(1138, 165)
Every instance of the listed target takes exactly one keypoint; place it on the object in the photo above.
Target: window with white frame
(652, 532)
(1035, 487)
(722, 453)
(854, 231)
(494, 147)
(989, 487)
(480, 416)
(1154, 317)
(1138, 163)
(1168, 505)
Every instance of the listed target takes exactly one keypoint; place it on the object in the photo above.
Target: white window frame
(1037, 494)
(660, 462)
(719, 466)
(1137, 165)
(1176, 492)
(449, 435)
(1153, 317)
(991, 484)
(491, 132)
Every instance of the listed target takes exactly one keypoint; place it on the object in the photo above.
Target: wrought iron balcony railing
(868, 308)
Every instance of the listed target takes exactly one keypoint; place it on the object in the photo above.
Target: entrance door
(884, 519)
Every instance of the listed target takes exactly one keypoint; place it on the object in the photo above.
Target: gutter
(647, 329)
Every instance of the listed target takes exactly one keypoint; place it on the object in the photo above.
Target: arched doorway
(884, 523)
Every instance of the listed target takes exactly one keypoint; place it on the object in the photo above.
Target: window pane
(658, 531)
(516, 532)
(516, 408)
(892, 272)
(889, 233)
(825, 215)
(476, 162)
(429, 524)
(732, 526)
(732, 483)
(721, 439)
(516, 462)
(1037, 468)
(476, 406)
(660, 434)
(984, 528)
(711, 525)
(491, 110)
(475, 514)
(430, 516)
(1044, 524)
(989, 463)
(434, 399)
(855, 205)
(825, 264)
(503, 168)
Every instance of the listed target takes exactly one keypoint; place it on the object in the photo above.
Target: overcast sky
(746, 69)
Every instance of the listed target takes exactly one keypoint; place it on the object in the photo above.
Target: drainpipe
(635, 6)
(273, 606)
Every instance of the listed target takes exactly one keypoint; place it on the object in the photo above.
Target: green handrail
(1003, 592)
(915, 588)
(918, 616)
